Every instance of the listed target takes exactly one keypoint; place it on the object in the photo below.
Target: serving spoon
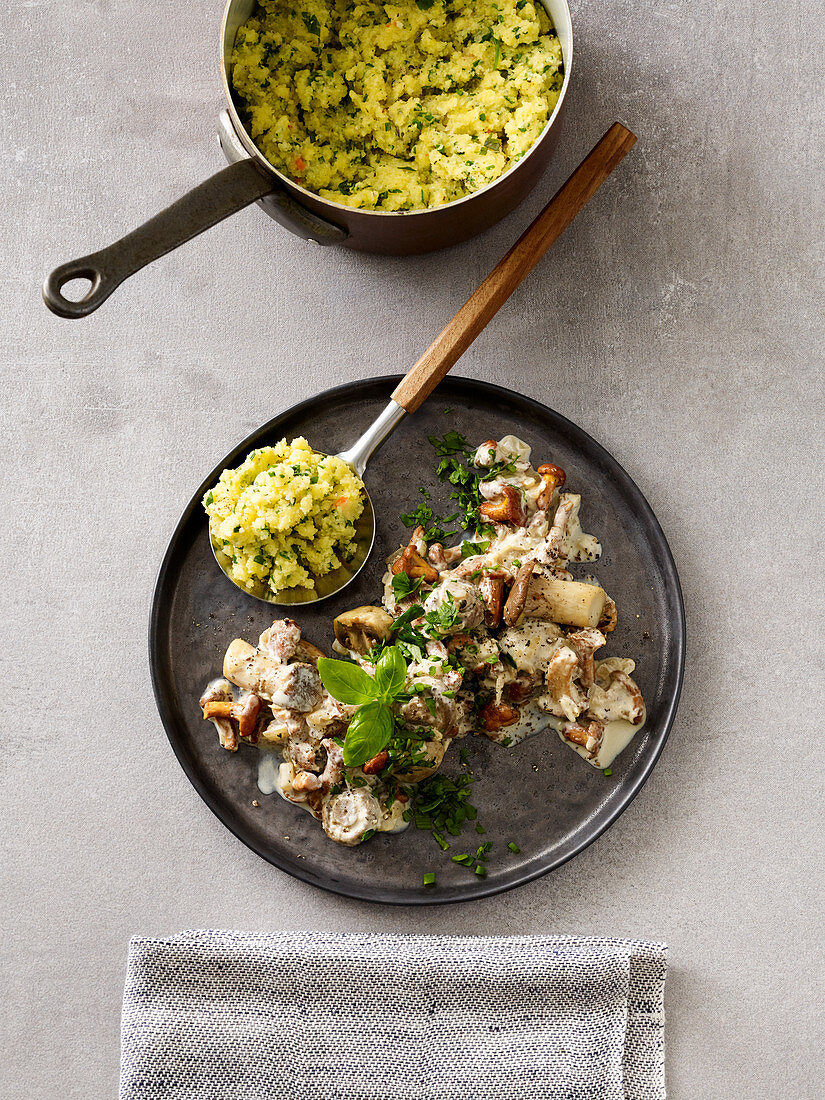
(451, 343)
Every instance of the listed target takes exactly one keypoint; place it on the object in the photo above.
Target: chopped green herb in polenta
(399, 106)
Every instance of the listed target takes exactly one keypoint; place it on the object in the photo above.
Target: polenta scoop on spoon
(436, 361)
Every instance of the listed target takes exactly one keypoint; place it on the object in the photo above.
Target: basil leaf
(369, 731)
(346, 681)
(424, 5)
(390, 672)
(311, 23)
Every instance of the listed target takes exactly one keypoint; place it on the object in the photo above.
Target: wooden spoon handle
(481, 306)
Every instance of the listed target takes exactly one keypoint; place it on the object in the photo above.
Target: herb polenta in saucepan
(285, 516)
(397, 106)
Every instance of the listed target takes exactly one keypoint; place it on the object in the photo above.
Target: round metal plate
(540, 795)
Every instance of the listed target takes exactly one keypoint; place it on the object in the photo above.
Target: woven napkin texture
(339, 1016)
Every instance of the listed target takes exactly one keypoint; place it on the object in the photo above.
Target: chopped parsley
(424, 516)
(458, 469)
(470, 549)
(403, 585)
(445, 616)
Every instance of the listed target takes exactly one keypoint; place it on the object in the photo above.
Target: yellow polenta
(396, 106)
(286, 515)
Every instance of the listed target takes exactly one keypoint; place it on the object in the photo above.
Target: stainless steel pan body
(251, 178)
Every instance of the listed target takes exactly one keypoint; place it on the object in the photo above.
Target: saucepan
(251, 178)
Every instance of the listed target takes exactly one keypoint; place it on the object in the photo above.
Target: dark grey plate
(540, 795)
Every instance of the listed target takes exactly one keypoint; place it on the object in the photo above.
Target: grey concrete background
(679, 321)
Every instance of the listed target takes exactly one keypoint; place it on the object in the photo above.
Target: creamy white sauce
(220, 684)
(532, 720)
(268, 766)
(281, 699)
(392, 820)
(531, 644)
(515, 544)
(618, 734)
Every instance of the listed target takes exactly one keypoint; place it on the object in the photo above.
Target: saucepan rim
(258, 156)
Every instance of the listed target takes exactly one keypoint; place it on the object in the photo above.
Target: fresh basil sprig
(369, 731)
(371, 727)
(390, 673)
(346, 682)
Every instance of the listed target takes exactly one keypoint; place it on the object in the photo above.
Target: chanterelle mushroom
(552, 478)
(621, 698)
(441, 558)
(514, 606)
(507, 507)
(495, 716)
(565, 699)
(220, 691)
(414, 565)
(249, 708)
(350, 814)
(589, 737)
(304, 782)
(362, 628)
(245, 711)
(586, 642)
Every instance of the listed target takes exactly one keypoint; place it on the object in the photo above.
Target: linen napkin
(215, 1015)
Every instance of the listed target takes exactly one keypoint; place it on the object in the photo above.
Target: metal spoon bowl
(325, 586)
(356, 458)
(446, 349)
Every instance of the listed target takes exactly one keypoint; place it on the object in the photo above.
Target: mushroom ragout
(493, 636)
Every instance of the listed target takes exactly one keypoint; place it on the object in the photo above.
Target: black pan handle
(210, 202)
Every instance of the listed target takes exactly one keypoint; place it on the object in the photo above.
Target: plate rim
(482, 888)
